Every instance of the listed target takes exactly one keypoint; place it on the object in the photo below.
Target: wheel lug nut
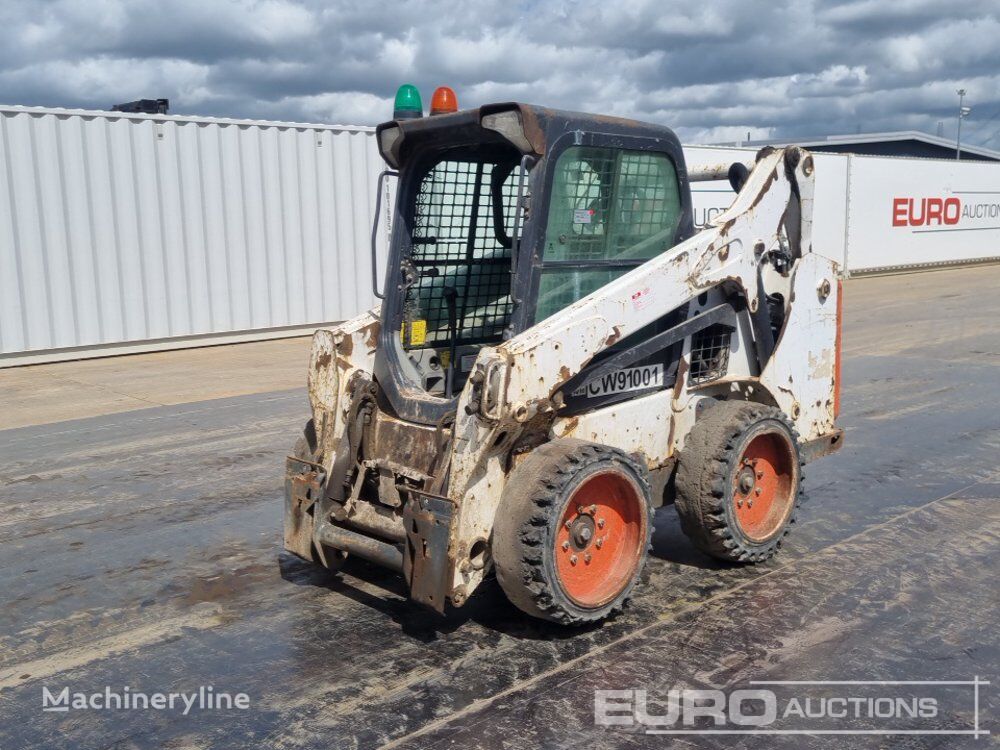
(600, 542)
(757, 491)
(579, 510)
(760, 474)
(586, 558)
(565, 544)
(600, 523)
(572, 560)
(739, 502)
(750, 503)
(592, 509)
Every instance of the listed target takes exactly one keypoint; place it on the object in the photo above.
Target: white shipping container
(123, 228)
(921, 212)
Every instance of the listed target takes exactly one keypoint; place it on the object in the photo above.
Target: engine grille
(710, 354)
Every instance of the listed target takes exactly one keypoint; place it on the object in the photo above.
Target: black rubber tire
(524, 534)
(704, 482)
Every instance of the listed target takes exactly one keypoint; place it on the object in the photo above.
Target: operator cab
(505, 215)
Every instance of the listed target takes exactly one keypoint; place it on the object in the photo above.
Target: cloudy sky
(712, 69)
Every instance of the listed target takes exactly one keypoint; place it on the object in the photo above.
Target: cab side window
(611, 210)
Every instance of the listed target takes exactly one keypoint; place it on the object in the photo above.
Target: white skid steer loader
(557, 353)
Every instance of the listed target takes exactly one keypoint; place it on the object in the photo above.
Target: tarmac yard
(141, 547)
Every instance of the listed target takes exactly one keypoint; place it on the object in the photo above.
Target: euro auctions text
(799, 707)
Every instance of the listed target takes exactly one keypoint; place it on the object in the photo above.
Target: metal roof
(859, 138)
(181, 119)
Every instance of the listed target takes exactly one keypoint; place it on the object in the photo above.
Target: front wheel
(572, 531)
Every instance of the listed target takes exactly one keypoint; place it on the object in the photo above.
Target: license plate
(622, 381)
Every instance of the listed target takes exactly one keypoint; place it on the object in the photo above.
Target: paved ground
(142, 549)
(38, 394)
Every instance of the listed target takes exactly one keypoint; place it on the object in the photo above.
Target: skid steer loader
(557, 353)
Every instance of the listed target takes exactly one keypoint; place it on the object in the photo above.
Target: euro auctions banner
(915, 212)
(873, 212)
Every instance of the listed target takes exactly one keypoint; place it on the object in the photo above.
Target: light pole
(963, 112)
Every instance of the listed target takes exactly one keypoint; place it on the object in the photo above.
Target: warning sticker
(642, 298)
(417, 333)
(583, 215)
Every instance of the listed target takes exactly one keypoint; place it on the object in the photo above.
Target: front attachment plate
(427, 519)
(303, 485)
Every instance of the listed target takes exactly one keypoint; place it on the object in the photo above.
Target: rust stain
(533, 129)
(570, 426)
(371, 335)
(345, 346)
(564, 374)
(614, 337)
(682, 369)
(763, 191)
(323, 360)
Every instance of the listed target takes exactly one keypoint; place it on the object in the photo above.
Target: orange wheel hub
(764, 486)
(601, 538)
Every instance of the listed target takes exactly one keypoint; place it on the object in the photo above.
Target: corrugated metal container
(119, 228)
(127, 232)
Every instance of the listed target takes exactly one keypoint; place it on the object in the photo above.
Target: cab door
(610, 209)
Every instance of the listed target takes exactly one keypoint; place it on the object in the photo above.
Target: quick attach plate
(427, 519)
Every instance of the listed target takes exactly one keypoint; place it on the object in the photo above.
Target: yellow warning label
(417, 333)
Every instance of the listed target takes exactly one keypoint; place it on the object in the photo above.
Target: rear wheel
(739, 481)
(572, 532)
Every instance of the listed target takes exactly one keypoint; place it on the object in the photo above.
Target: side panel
(800, 374)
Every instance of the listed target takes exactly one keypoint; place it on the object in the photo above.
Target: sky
(714, 70)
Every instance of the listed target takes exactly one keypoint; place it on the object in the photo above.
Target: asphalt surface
(142, 549)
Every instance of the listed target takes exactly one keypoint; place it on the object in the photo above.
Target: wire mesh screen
(710, 353)
(460, 248)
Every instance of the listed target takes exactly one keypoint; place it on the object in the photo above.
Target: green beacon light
(407, 105)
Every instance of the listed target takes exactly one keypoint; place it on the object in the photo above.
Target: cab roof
(529, 128)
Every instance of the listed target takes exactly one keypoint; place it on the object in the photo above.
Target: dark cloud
(714, 70)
